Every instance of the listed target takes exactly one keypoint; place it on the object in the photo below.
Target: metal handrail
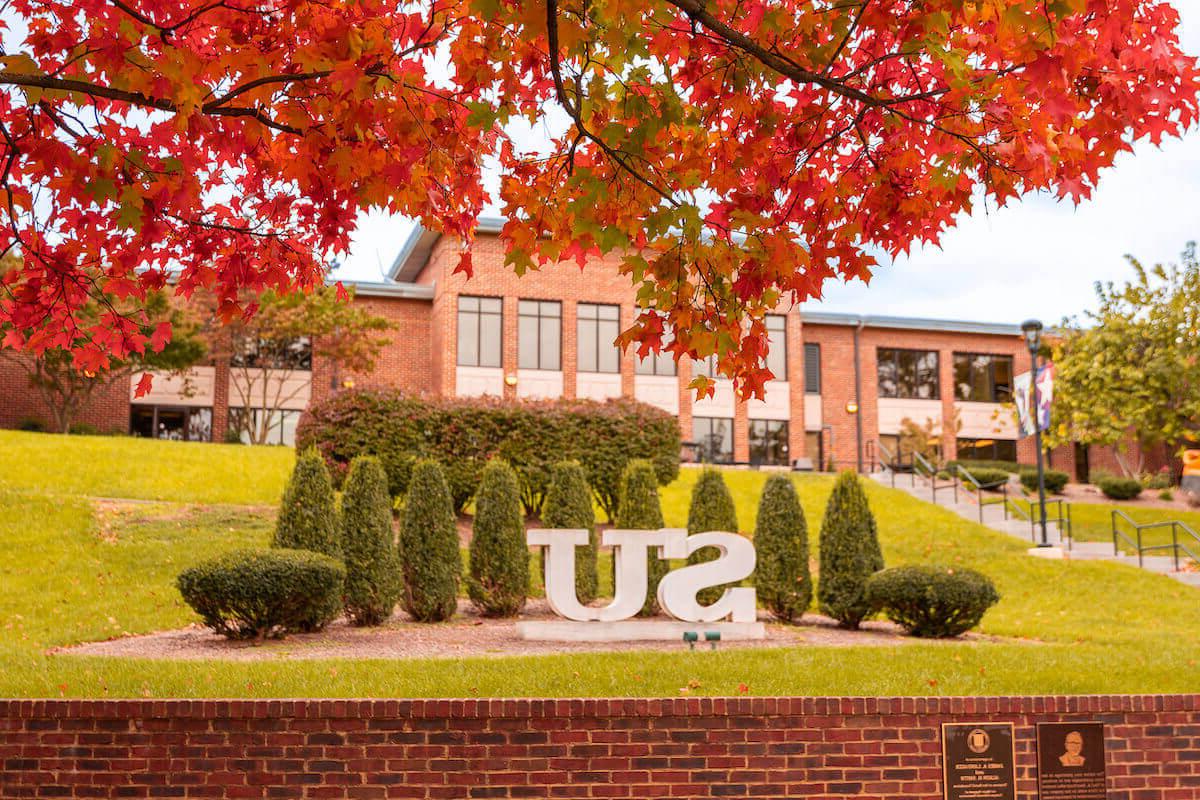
(1175, 546)
(980, 488)
(1063, 519)
(931, 472)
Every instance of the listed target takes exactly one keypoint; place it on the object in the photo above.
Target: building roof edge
(909, 323)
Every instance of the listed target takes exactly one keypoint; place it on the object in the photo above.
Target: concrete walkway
(994, 518)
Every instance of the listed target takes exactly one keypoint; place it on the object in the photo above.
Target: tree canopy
(732, 154)
(1131, 369)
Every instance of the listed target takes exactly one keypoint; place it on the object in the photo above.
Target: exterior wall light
(348, 383)
(510, 380)
(851, 407)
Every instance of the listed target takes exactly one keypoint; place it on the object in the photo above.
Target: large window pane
(768, 442)
(598, 327)
(987, 450)
(714, 439)
(777, 337)
(480, 324)
(539, 334)
(911, 374)
(982, 378)
(812, 368)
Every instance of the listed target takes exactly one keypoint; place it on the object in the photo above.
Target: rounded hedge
(368, 544)
(1056, 480)
(640, 509)
(498, 582)
(263, 594)
(307, 514)
(711, 509)
(1120, 488)
(569, 505)
(464, 434)
(782, 576)
(430, 561)
(930, 601)
(850, 552)
(989, 479)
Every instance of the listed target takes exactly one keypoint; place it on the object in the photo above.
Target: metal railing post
(1113, 515)
(1139, 546)
(1175, 543)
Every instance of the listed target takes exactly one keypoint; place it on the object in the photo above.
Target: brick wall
(678, 747)
(108, 409)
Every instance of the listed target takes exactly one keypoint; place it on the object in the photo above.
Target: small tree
(372, 571)
(711, 510)
(639, 509)
(849, 552)
(499, 579)
(782, 577)
(431, 563)
(569, 505)
(307, 516)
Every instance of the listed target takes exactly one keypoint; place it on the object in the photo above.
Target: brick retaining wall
(677, 747)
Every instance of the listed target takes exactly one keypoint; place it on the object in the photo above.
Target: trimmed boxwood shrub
(464, 434)
(641, 510)
(1011, 467)
(989, 478)
(930, 601)
(307, 515)
(263, 594)
(782, 577)
(1056, 480)
(569, 505)
(499, 579)
(430, 561)
(711, 509)
(1120, 488)
(368, 544)
(849, 553)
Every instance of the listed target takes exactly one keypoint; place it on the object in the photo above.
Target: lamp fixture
(851, 407)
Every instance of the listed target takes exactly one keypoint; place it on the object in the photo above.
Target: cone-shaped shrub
(569, 505)
(849, 553)
(372, 570)
(782, 577)
(429, 557)
(307, 515)
(711, 510)
(499, 579)
(639, 509)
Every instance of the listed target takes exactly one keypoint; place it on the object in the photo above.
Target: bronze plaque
(977, 761)
(1071, 761)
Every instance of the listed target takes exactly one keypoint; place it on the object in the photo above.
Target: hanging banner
(1023, 397)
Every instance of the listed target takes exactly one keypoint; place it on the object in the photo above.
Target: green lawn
(73, 573)
(1092, 522)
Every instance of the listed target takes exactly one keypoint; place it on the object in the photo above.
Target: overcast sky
(1037, 257)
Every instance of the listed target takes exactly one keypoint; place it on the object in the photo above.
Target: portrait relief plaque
(977, 761)
(1071, 761)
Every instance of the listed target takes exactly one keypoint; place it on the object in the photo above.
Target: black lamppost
(1032, 329)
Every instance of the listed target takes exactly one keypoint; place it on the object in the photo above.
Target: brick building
(844, 382)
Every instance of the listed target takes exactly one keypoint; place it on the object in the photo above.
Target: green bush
(430, 561)
(641, 510)
(1011, 467)
(1056, 480)
(1120, 488)
(31, 424)
(711, 509)
(464, 434)
(368, 544)
(849, 552)
(308, 515)
(931, 602)
(986, 477)
(1166, 495)
(782, 576)
(1163, 479)
(569, 505)
(499, 579)
(250, 594)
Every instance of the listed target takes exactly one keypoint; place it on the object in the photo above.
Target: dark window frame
(704, 451)
(812, 386)
(479, 313)
(997, 450)
(597, 322)
(540, 317)
(778, 347)
(895, 357)
(765, 445)
(282, 354)
(996, 396)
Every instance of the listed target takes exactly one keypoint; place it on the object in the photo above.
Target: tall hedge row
(850, 553)
(308, 513)
(498, 581)
(569, 505)
(711, 509)
(431, 563)
(641, 510)
(463, 434)
(781, 537)
(372, 568)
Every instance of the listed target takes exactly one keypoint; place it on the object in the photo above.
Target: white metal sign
(676, 592)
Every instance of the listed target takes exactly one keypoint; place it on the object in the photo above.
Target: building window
(987, 450)
(714, 439)
(662, 363)
(280, 425)
(480, 331)
(982, 378)
(706, 367)
(598, 327)
(768, 441)
(814, 449)
(908, 374)
(812, 368)
(539, 334)
(177, 424)
(777, 339)
(291, 354)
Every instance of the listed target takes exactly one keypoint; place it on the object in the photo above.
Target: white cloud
(1037, 257)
